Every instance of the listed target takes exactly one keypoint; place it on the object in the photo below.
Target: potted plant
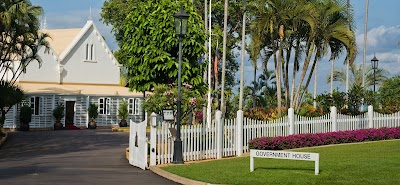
(123, 113)
(58, 114)
(25, 117)
(92, 111)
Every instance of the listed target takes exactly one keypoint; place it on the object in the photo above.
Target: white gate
(138, 144)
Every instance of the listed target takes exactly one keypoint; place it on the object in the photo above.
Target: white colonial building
(79, 69)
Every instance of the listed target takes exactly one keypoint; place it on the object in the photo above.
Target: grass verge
(360, 163)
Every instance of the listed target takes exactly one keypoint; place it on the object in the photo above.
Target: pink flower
(193, 101)
(168, 92)
(199, 115)
(187, 86)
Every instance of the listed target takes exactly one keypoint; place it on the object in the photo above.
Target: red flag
(216, 62)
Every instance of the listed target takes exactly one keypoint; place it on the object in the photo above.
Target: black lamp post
(374, 63)
(181, 22)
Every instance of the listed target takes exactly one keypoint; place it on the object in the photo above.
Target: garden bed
(310, 140)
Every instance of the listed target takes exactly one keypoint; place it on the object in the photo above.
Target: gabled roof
(64, 40)
(61, 38)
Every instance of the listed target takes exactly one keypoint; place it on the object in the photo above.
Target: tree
(145, 33)
(308, 28)
(10, 95)
(20, 39)
(339, 75)
(389, 94)
(332, 32)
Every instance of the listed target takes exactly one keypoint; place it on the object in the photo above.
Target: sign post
(277, 154)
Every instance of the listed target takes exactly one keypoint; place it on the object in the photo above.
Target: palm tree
(20, 39)
(254, 51)
(356, 77)
(331, 33)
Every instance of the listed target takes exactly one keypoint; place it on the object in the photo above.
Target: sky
(383, 35)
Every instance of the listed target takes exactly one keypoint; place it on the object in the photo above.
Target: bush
(93, 111)
(58, 112)
(123, 110)
(309, 140)
(165, 97)
(25, 114)
(260, 113)
(309, 111)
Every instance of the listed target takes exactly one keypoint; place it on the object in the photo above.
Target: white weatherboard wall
(48, 72)
(102, 70)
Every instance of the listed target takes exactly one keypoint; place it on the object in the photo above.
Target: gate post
(239, 135)
(153, 130)
(291, 120)
(218, 121)
(370, 116)
(334, 118)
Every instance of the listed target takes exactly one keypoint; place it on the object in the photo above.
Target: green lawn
(364, 164)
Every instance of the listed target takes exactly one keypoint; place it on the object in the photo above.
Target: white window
(92, 52)
(36, 105)
(131, 103)
(137, 106)
(133, 106)
(87, 52)
(104, 106)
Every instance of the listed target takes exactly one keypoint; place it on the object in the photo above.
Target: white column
(153, 130)
(291, 120)
(87, 112)
(14, 117)
(219, 124)
(334, 118)
(239, 135)
(370, 116)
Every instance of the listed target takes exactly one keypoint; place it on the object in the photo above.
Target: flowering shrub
(309, 111)
(165, 97)
(309, 140)
(260, 113)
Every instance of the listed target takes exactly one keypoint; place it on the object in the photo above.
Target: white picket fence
(222, 138)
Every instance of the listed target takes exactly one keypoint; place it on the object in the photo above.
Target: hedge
(310, 140)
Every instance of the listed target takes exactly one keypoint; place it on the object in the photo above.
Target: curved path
(70, 157)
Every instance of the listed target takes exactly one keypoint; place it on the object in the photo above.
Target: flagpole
(205, 55)
(209, 72)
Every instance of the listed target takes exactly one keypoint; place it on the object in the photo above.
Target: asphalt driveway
(70, 157)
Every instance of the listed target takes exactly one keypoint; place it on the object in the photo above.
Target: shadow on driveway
(70, 157)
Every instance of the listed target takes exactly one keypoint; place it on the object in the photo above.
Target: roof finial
(45, 23)
(90, 13)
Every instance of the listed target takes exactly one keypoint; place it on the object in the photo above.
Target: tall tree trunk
(348, 58)
(365, 42)
(308, 81)
(332, 68)
(303, 73)
(224, 58)
(286, 83)
(255, 81)
(295, 68)
(278, 70)
(315, 85)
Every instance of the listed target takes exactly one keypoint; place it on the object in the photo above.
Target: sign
(168, 114)
(278, 154)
